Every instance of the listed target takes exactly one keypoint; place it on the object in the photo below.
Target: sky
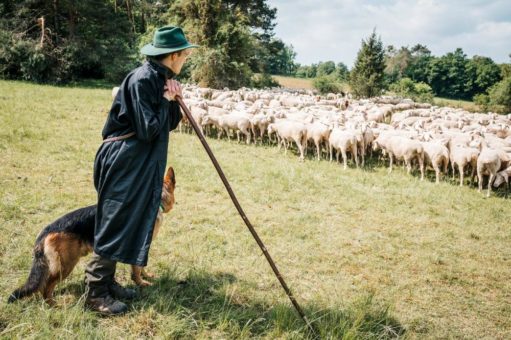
(333, 30)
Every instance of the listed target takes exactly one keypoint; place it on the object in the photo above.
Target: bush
(500, 94)
(482, 100)
(327, 84)
(264, 80)
(419, 92)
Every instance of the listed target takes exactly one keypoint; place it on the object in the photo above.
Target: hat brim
(152, 51)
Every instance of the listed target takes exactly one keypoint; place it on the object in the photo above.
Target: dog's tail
(38, 275)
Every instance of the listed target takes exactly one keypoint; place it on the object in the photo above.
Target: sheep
(462, 155)
(289, 130)
(260, 121)
(317, 132)
(503, 177)
(343, 140)
(406, 149)
(437, 155)
(490, 161)
(238, 122)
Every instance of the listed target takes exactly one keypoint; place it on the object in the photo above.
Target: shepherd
(130, 165)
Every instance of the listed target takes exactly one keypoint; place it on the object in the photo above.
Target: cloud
(333, 30)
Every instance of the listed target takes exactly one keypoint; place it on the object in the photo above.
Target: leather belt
(122, 137)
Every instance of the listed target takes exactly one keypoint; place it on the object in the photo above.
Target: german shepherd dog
(60, 245)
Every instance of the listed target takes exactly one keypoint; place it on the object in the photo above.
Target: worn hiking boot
(106, 305)
(119, 292)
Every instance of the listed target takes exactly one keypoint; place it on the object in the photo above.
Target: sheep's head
(376, 144)
(500, 178)
(271, 128)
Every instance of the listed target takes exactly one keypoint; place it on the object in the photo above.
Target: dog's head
(167, 194)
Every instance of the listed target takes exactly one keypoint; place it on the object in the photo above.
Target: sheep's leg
(255, 135)
(437, 173)
(355, 152)
(238, 133)
(421, 166)
(408, 165)
(318, 150)
(461, 169)
(330, 151)
(285, 145)
(391, 161)
(490, 181)
(344, 159)
(300, 148)
(472, 175)
(480, 179)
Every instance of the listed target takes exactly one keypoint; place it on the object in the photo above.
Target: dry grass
(462, 104)
(294, 83)
(369, 254)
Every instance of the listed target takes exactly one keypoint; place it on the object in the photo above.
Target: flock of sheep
(420, 135)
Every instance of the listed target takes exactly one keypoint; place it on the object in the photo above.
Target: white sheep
(289, 131)
(436, 154)
(343, 141)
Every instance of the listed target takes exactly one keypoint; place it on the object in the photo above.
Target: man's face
(175, 61)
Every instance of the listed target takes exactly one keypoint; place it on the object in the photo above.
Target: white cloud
(333, 30)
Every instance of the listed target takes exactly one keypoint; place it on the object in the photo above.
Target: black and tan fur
(60, 245)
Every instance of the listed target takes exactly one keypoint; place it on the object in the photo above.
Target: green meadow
(367, 254)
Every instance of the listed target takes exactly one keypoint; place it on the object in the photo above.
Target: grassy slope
(350, 243)
(294, 83)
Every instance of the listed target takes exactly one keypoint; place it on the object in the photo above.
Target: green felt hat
(167, 39)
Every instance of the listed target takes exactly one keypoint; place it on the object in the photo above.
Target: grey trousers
(99, 275)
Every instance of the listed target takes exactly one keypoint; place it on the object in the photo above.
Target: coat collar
(161, 69)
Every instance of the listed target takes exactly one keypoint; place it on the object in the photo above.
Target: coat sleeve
(175, 115)
(146, 117)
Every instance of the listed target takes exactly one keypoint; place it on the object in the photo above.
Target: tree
(448, 76)
(396, 63)
(275, 57)
(341, 71)
(224, 30)
(419, 65)
(366, 78)
(482, 74)
(61, 40)
(325, 68)
(500, 94)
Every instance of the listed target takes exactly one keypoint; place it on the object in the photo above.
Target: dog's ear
(170, 177)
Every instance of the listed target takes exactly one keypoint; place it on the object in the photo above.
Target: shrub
(419, 92)
(264, 80)
(482, 100)
(327, 84)
(500, 94)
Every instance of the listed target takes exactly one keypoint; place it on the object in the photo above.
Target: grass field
(294, 83)
(369, 255)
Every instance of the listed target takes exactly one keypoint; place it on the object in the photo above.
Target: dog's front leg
(136, 276)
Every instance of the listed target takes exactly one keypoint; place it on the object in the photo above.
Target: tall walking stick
(243, 216)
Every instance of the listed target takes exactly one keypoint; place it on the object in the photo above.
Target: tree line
(416, 73)
(58, 41)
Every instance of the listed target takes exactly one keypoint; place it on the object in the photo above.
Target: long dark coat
(128, 174)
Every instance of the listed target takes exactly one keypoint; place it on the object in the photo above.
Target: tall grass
(368, 255)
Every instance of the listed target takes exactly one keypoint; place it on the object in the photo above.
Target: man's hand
(172, 89)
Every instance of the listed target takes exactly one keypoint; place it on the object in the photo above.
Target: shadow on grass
(204, 298)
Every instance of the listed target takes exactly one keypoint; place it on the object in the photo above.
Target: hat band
(170, 46)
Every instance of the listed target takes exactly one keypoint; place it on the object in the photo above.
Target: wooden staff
(243, 216)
